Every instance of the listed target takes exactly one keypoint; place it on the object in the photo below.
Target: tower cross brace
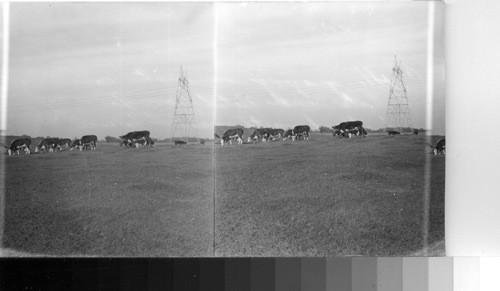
(184, 122)
(398, 115)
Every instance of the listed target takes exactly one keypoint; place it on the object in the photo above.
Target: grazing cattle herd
(135, 139)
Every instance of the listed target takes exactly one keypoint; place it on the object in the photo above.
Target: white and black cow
(229, 134)
(63, 142)
(19, 144)
(142, 142)
(344, 128)
(289, 135)
(351, 133)
(393, 132)
(276, 133)
(131, 138)
(440, 147)
(261, 134)
(301, 131)
(77, 143)
(47, 144)
(89, 141)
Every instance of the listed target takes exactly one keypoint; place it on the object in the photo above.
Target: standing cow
(229, 134)
(289, 135)
(63, 142)
(77, 143)
(276, 133)
(301, 131)
(260, 134)
(344, 128)
(440, 147)
(89, 141)
(47, 144)
(19, 144)
(135, 138)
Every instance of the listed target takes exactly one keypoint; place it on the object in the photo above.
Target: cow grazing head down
(440, 147)
(276, 134)
(17, 145)
(77, 143)
(301, 131)
(349, 128)
(136, 138)
(261, 134)
(47, 144)
(289, 135)
(230, 134)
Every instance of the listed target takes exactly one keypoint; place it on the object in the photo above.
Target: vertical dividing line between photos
(214, 110)
(3, 108)
(428, 122)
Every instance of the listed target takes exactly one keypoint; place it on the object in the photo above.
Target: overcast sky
(285, 64)
(107, 68)
(110, 68)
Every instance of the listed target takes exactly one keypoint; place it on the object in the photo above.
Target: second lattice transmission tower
(184, 123)
(398, 115)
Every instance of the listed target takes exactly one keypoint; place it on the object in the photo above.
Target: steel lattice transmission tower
(184, 123)
(398, 115)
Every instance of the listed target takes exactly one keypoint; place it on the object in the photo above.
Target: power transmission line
(184, 123)
(398, 114)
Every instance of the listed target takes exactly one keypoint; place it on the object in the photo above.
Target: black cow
(48, 144)
(301, 131)
(415, 131)
(276, 133)
(180, 142)
(440, 147)
(393, 132)
(19, 144)
(229, 134)
(260, 134)
(344, 127)
(89, 141)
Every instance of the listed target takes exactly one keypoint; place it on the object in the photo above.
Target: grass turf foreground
(329, 197)
(322, 197)
(111, 202)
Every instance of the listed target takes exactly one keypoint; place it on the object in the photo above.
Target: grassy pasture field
(322, 197)
(329, 197)
(110, 202)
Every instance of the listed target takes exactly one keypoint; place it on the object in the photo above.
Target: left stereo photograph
(108, 134)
